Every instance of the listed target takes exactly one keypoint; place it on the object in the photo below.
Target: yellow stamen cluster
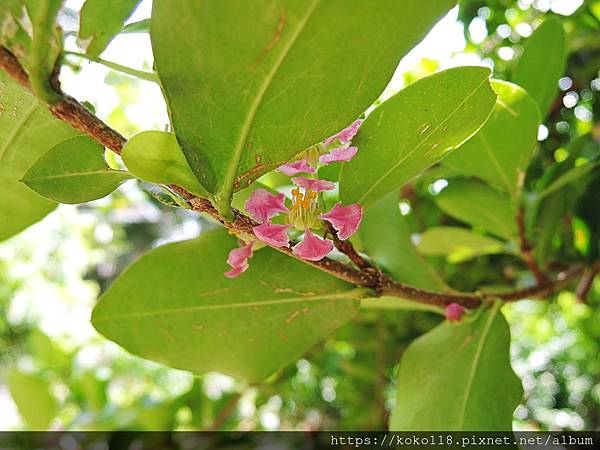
(304, 210)
(302, 200)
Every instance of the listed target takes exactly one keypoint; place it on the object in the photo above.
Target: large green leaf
(385, 235)
(101, 20)
(457, 243)
(27, 131)
(176, 307)
(31, 394)
(155, 156)
(415, 129)
(74, 171)
(458, 377)
(500, 152)
(542, 63)
(479, 205)
(251, 84)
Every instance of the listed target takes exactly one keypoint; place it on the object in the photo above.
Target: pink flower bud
(454, 312)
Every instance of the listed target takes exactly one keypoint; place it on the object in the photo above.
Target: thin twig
(226, 412)
(586, 282)
(526, 252)
(75, 114)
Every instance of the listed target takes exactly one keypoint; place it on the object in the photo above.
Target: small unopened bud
(454, 312)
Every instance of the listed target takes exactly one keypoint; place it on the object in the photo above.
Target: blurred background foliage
(56, 372)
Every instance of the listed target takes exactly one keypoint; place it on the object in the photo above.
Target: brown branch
(348, 249)
(225, 413)
(75, 114)
(585, 284)
(526, 252)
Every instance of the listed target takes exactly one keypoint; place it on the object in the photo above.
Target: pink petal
(312, 248)
(296, 167)
(238, 257)
(345, 135)
(345, 219)
(454, 312)
(236, 271)
(273, 234)
(314, 184)
(338, 154)
(262, 205)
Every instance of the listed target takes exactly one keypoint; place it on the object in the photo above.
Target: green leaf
(413, 130)
(500, 152)
(542, 63)
(479, 205)
(458, 377)
(31, 394)
(458, 243)
(568, 177)
(74, 171)
(176, 307)
(155, 156)
(385, 235)
(251, 84)
(27, 131)
(13, 35)
(141, 26)
(101, 20)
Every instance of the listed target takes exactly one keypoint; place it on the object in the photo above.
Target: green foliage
(27, 131)
(542, 63)
(415, 129)
(101, 20)
(74, 171)
(500, 151)
(155, 156)
(479, 205)
(283, 81)
(33, 398)
(448, 378)
(458, 244)
(443, 166)
(396, 254)
(176, 307)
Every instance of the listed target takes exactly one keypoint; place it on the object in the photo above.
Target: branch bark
(75, 114)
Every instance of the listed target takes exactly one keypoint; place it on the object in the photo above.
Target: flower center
(304, 210)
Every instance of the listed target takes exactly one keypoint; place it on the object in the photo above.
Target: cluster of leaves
(241, 109)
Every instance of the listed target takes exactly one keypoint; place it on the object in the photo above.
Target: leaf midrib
(472, 372)
(226, 189)
(346, 295)
(106, 171)
(421, 143)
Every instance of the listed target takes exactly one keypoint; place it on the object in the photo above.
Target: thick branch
(76, 115)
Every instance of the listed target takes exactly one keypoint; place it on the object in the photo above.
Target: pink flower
(273, 234)
(296, 167)
(312, 247)
(262, 205)
(346, 135)
(338, 154)
(313, 184)
(454, 312)
(238, 260)
(345, 219)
